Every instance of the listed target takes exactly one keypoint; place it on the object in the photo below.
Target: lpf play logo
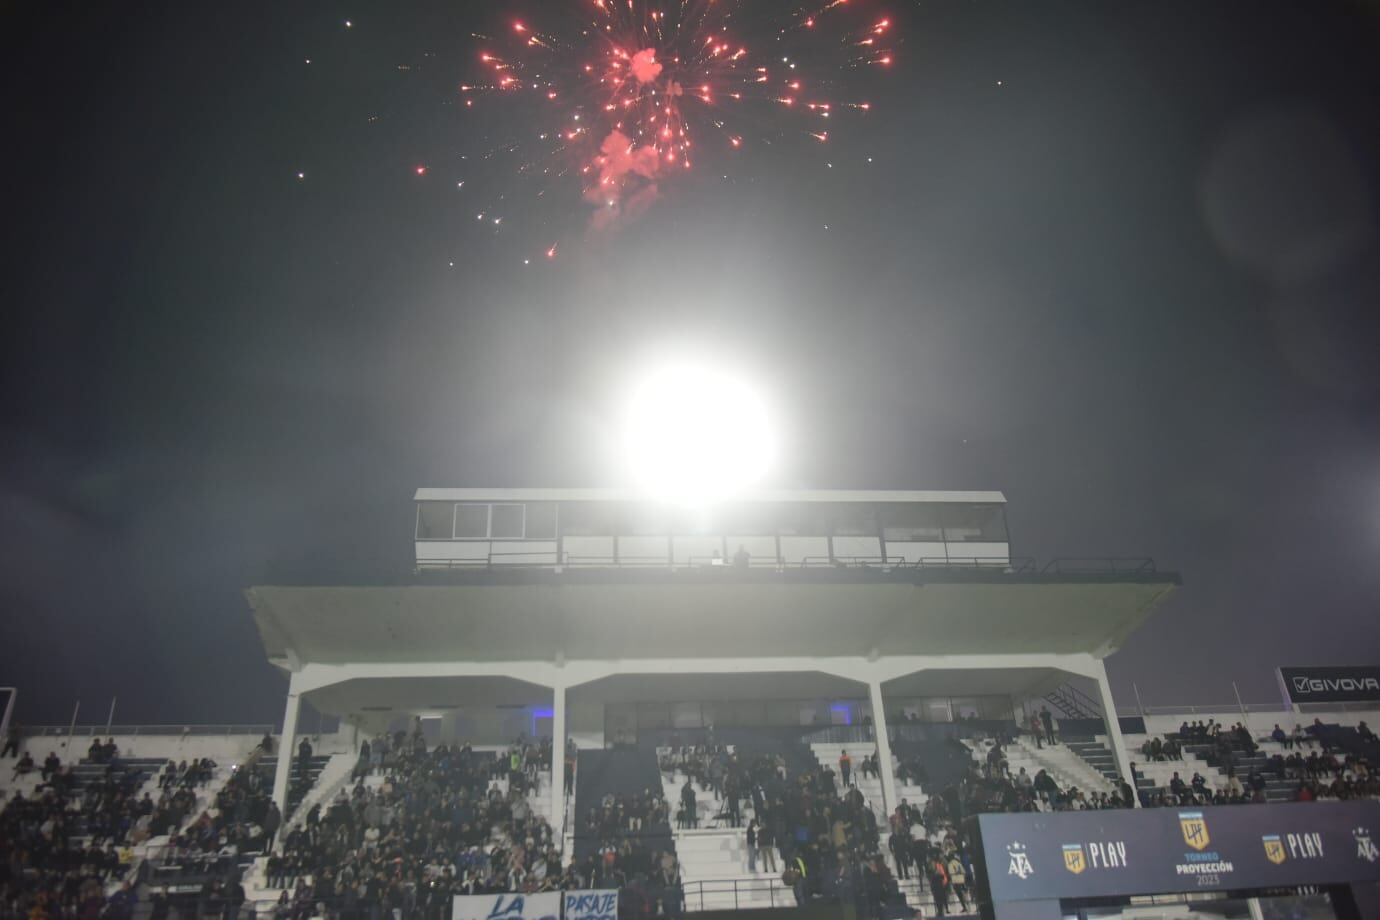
(1195, 829)
(1074, 859)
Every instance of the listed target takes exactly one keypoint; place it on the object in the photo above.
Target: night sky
(1120, 261)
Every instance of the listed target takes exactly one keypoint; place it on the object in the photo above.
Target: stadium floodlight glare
(694, 433)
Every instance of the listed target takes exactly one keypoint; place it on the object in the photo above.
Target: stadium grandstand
(792, 700)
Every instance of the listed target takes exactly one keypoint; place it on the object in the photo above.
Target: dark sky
(1118, 260)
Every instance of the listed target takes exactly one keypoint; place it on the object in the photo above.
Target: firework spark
(630, 93)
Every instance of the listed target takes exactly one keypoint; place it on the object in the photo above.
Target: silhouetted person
(1048, 721)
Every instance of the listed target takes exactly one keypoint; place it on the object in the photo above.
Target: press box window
(434, 520)
(506, 522)
(541, 521)
(853, 521)
(471, 522)
(913, 522)
(587, 519)
(974, 524)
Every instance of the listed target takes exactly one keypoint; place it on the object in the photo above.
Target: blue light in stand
(540, 712)
(843, 708)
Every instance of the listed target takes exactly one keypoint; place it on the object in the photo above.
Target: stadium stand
(118, 863)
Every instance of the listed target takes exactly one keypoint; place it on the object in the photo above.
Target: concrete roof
(599, 615)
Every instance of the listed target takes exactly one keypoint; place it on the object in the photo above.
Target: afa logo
(1274, 848)
(1195, 829)
(1020, 862)
(1075, 860)
(1365, 847)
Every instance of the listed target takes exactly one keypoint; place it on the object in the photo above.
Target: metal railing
(103, 731)
(1108, 565)
(747, 892)
(1139, 566)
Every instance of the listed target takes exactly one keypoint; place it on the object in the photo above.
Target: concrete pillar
(558, 767)
(889, 797)
(286, 745)
(1109, 718)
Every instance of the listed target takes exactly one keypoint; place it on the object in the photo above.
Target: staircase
(1074, 703)
(1066, 767)
(335, 776)
(1097, 756)
(714, 873)
(299, 786)
(827, 755)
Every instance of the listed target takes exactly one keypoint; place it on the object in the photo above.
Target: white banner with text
(598, 904)
(545, 906)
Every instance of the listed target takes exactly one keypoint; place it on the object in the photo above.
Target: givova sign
(544, 906)
(1331, 685)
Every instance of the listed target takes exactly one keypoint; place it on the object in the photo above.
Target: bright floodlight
(694, 433)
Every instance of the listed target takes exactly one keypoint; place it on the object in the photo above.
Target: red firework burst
(633, 91)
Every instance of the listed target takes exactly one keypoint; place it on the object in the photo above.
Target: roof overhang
(488, 616)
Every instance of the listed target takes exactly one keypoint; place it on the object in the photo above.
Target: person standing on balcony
(1036, 732)
(752, 845)
(845, 767)
(12, 743)
(1048, 721)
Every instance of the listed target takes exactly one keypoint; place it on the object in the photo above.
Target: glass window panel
(471, 522)
(936, 710)
(748, 519)
(506, 522)
(692, 520)
(994, 708)
(965, 707)
(653, 715)
(541, 520)
(783, 712)
(434, 520)
(913, 522)
(645, 519)
(752, 712)
(686, 715)
(587, 519)
(974, 524)
(851, 520)
(803, 519)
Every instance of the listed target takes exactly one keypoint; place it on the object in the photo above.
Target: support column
(1109, 718)
(286, 744)
(558, 767)
(889, 799)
